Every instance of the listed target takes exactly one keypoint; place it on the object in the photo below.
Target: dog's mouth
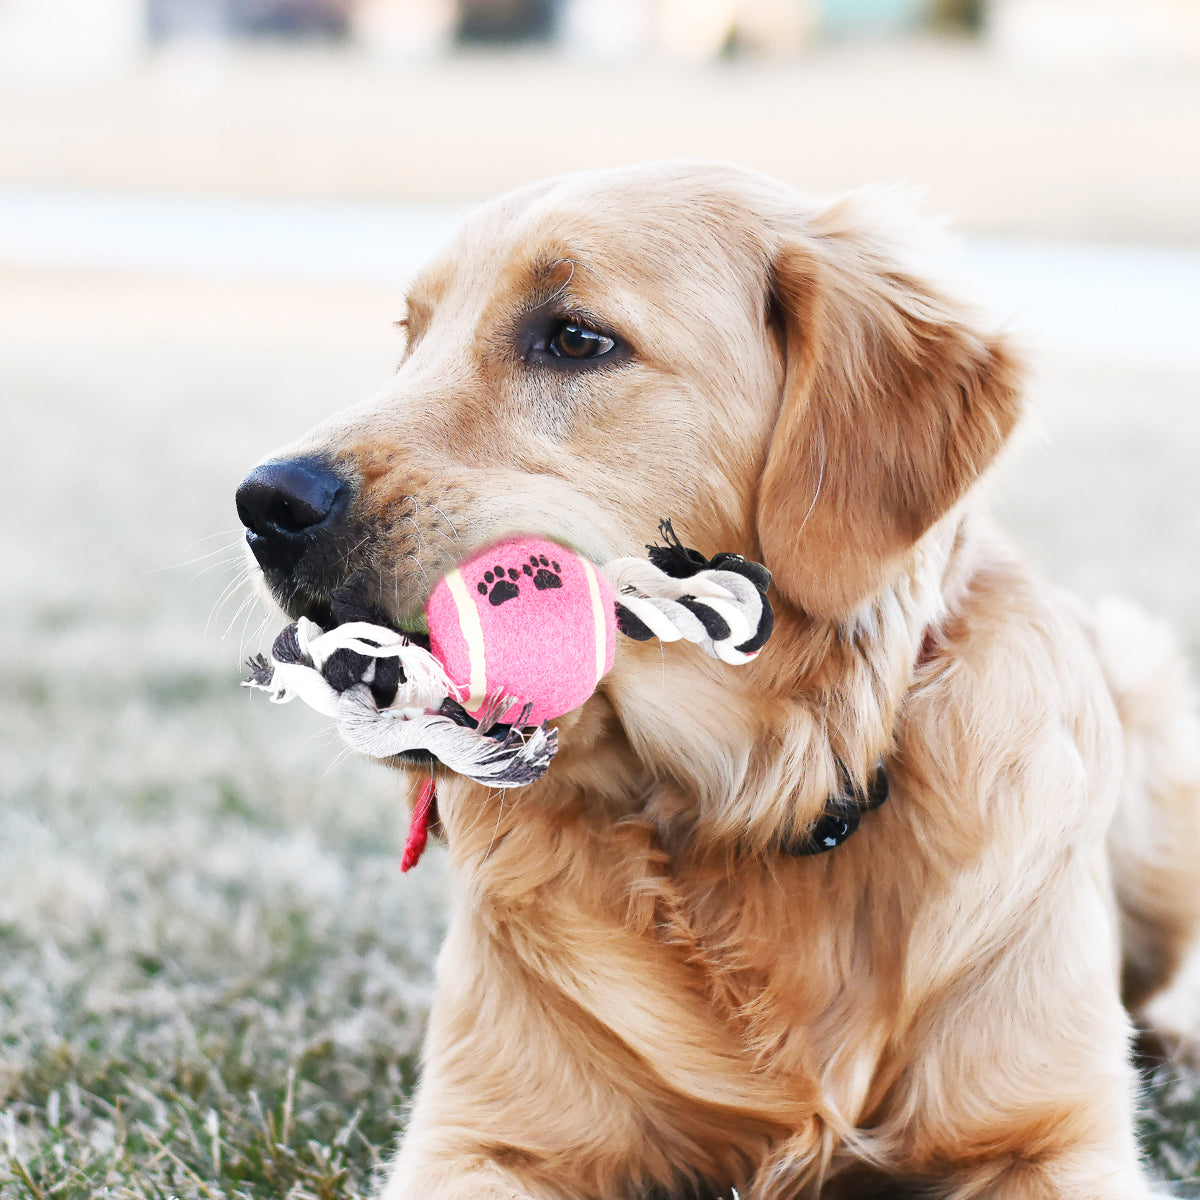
(359, 653)
(318, 609)
(351, 601)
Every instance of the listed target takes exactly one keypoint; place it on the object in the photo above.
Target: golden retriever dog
(648, 989)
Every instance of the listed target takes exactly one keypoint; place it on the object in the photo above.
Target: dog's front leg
(458, 1144)
(518, 1100)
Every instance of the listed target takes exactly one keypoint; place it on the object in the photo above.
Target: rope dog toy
(519, 634)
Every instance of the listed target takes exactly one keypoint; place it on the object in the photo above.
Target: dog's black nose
(284, 505)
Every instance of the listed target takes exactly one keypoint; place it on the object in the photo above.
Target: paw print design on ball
(545, 572)
(497, 588)
(549, 648)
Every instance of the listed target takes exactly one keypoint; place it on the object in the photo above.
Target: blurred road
(1002, 149)
(1119, 304)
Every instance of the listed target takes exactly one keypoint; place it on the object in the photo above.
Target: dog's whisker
(346, 557)
(820, 448)
(340, 755)
(244, 578)
(237, 531)
(499, 799)
(566, 283)
(230, 552)
(230, 561)
(243, 608)
(412, 557)
(417, 532)
(256, 639)
(239, 578)
(247, 615)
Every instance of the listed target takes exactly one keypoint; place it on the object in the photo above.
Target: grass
(137, 1133)
(202, 993)
(213, 979)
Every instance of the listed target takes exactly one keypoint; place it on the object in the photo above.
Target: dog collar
(841, 819)
(843, 813)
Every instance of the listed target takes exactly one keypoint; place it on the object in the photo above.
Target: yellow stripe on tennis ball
(601, 634)
(472, 631)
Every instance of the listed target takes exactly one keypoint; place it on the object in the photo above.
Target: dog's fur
(642, 993)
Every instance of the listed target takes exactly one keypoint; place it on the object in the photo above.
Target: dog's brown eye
(573, 340)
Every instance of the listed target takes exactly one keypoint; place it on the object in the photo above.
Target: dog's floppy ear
(892, 406)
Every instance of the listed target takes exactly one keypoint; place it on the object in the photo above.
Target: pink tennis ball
(528, 619)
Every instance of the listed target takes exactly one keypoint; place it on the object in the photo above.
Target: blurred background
(212, 976)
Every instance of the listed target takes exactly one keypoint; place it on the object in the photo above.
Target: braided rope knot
(303, 651)
(720, 611)
(337, 673)
(719, 603)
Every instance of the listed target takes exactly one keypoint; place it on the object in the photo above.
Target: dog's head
(601, 351)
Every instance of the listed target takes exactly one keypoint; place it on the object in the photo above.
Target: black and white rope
(719, 611)
(337, 672)
(390, 696)
(720, 604)
(302, 656)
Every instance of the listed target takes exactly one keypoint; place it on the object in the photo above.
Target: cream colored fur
(640, 988)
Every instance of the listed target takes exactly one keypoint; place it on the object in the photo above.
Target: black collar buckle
(842, 816)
